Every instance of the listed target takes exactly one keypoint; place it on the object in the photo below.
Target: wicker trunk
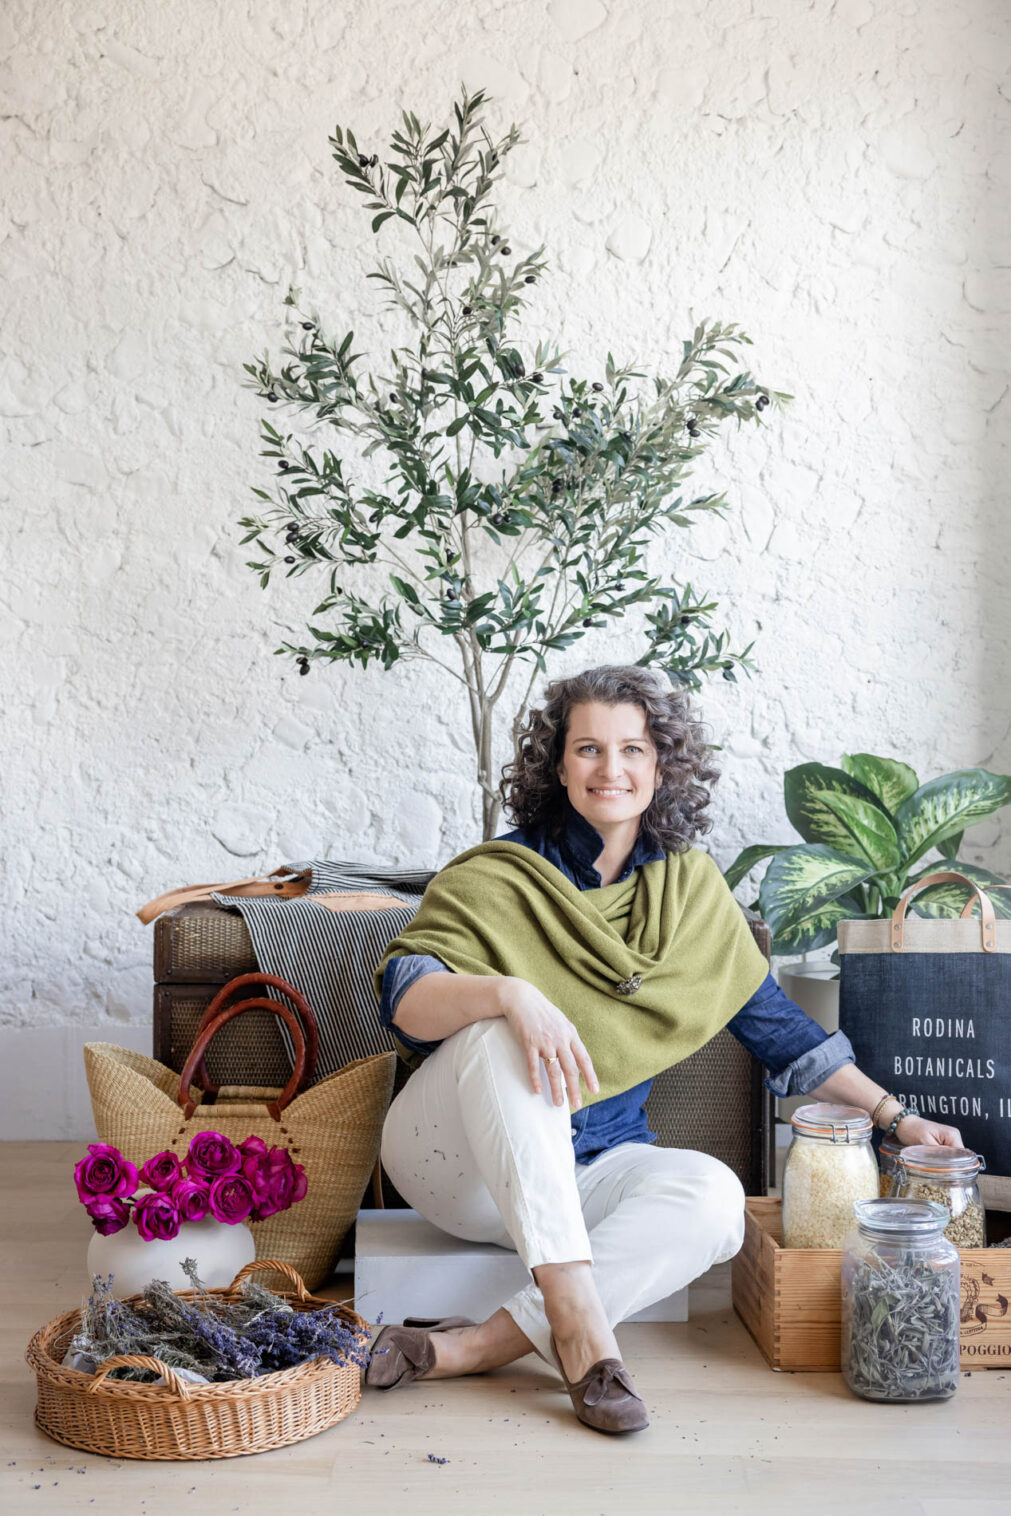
(714, 1101)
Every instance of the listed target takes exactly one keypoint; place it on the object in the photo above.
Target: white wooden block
(404, 1266)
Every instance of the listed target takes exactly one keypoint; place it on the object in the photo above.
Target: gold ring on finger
(553, 1059)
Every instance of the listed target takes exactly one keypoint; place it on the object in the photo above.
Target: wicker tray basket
(179, 1420)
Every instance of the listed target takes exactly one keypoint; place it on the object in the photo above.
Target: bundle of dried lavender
(221, 1340)
(901, 1338)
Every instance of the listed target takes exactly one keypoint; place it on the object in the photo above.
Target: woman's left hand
(917, 1129)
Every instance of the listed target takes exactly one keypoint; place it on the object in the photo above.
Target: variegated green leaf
(746, 860)
(946, 900)
(948, 847)
(800, 880)
(804, 789)
(815, 930)
(870, 832)
(889, 779)
(947, 805)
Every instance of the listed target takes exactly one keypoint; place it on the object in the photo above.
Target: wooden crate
(789, 1298)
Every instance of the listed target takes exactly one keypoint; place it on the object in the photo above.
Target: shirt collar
(581, 844)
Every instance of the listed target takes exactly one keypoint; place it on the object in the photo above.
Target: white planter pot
(815, 988)
(220, 1251)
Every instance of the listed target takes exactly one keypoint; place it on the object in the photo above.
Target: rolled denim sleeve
(813, 1067)
(398, 976)
(798, 1052)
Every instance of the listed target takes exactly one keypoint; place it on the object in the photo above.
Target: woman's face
(609, 765)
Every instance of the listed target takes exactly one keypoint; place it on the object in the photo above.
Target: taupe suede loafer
(401, 1354)
(605, 1398)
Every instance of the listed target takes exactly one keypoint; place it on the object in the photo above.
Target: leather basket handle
(988, 923)
(274, 1107)
(302, 1009)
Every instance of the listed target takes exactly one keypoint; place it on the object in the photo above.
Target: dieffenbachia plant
(867, 828)
(508, 506)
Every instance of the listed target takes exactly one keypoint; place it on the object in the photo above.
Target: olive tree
(511, 504)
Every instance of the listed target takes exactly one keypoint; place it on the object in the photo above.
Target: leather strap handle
(302, 1009)
(287, 888)
(274, 1107)
(988, 924)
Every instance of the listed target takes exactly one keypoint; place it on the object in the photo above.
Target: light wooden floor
(727, 1435)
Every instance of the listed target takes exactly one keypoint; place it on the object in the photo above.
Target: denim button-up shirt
(798, 1052)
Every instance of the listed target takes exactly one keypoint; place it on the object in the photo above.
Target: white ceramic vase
(219, 1249)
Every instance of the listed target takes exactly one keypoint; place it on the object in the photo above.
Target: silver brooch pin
(629, 986)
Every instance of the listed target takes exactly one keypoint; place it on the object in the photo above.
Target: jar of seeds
(829, 1165)
(888, 1164)
(949, 1177)
(901, 1281)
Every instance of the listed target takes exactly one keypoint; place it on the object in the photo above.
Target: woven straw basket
(333, 1128)
(179, 1420)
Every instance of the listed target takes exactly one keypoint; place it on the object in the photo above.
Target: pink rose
(232, 1199)
(211, 1155)
(280, 1182)
(156, 1215)
(192, 1199)
(108, 1215)
(161, 1172)
(105, 1174)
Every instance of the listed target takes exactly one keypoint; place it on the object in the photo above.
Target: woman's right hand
(543, 1031)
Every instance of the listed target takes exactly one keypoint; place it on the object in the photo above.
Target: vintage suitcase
(714, 1101)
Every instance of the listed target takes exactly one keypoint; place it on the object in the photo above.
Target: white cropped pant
(471, 1147)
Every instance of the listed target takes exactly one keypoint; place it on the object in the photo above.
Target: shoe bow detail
(608, 1372)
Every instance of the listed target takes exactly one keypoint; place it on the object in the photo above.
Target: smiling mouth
(608, 792)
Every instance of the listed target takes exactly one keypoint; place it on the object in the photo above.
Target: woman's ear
(560, 771)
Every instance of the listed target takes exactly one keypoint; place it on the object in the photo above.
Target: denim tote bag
(926, 1004)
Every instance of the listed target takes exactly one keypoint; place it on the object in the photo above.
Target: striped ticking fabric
(331, 956)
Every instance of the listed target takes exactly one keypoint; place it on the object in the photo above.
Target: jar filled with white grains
(830, 1165)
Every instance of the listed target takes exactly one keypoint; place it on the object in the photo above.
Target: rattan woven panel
(247, 1051)
(707, 1103)
(201, 944)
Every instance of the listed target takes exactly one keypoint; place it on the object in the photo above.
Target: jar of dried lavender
(900, 1300)
(949, 1177)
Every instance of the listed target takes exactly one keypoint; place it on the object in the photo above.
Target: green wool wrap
(500, 908)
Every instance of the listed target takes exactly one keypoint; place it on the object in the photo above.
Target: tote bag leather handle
(988, 925)
(302, 1009)
(274, 1107)
(287, 888)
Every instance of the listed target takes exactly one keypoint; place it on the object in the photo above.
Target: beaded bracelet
(900, 1117)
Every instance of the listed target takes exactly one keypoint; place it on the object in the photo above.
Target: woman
(593, 946)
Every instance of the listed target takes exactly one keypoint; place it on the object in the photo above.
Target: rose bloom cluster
(248, 1182)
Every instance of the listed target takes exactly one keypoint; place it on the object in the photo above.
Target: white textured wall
(833, 176)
